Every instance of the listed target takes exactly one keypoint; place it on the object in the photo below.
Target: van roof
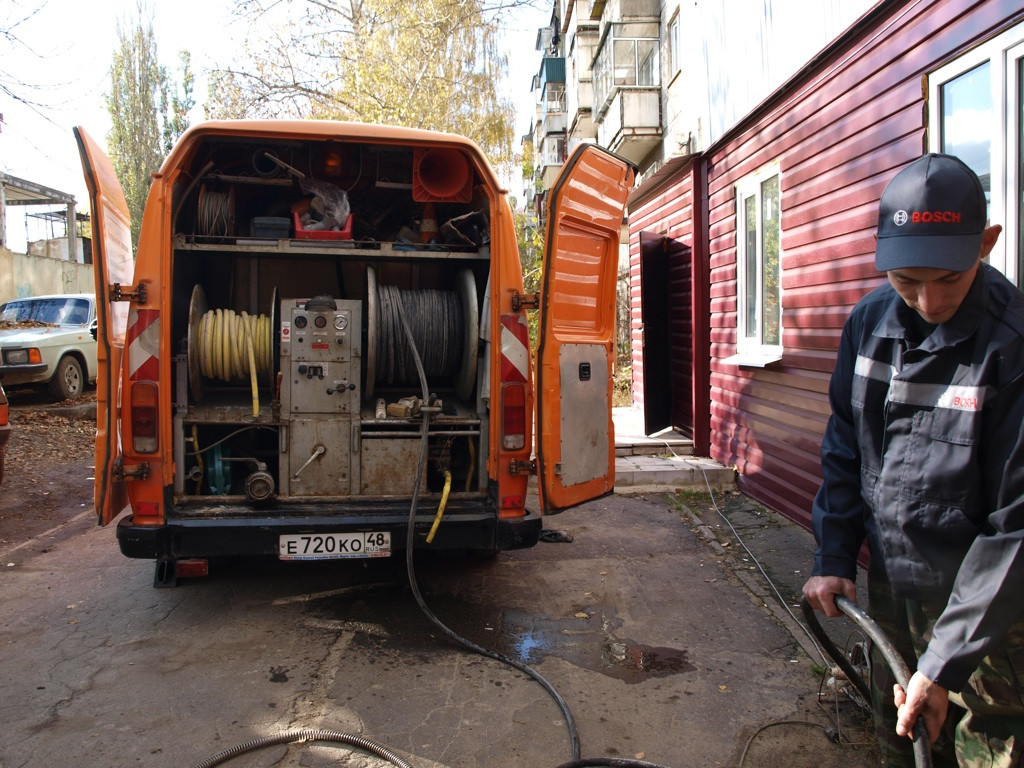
(321, 130)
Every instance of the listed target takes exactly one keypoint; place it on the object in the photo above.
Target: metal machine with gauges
(320, 395)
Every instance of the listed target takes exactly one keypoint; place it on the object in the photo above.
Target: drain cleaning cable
(922, 749)
(570, 721)
(305, 735)
(574, 737)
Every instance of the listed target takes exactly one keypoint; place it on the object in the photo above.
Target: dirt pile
(48, 475)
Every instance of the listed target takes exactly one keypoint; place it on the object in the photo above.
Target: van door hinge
(137, 293)
(529, 301)
(119, 473)
(520, 467)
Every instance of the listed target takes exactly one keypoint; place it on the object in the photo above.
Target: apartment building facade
(750, 232)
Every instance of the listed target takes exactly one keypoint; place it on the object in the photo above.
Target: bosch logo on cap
(928, 217)
(901, 217)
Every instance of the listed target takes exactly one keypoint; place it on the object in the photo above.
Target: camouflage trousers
(985, 724)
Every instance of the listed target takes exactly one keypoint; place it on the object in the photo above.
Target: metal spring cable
(305, 735)
(213, 213)
(436, 321)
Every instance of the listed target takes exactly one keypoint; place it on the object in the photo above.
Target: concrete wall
(58, 248)
(31, 275)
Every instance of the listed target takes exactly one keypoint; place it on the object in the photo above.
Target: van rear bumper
(208, 537)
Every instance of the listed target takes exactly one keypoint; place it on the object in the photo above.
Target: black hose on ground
(574, 737)
(570, 721)
(922, 747)
(311, 735)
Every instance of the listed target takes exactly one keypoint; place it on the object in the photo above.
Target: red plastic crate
(322, 234)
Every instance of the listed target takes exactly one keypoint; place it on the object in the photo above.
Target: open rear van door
(113, 265)
(576, 444)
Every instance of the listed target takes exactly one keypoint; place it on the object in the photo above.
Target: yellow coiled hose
(234, 347)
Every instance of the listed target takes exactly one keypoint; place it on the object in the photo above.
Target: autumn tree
(147, 111)
(433, 64)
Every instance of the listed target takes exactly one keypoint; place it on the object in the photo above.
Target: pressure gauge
(340, 322)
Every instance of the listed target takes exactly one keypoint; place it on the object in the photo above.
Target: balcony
(627, 88)
(631, 127)
(554, 122)
(552, 70)
(553, 108)
(579, 83)
(550, 159)
(581, 120)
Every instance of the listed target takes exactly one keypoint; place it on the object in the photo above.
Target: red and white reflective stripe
(515, 348)
(143, 340)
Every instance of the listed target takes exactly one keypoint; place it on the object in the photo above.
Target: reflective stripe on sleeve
(873, 369)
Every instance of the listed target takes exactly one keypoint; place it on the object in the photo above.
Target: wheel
(68, 380)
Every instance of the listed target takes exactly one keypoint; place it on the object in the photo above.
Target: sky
(66, 52)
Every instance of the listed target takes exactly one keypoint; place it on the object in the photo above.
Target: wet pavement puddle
(590, 643)
(589, 639)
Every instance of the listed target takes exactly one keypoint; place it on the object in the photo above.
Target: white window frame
(672, 43)
(751, 349)
(1003, 54)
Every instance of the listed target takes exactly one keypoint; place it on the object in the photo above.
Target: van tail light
(5, 415)
(513, 416)
(144, 416)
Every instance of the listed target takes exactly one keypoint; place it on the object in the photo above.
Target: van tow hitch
(922, 748)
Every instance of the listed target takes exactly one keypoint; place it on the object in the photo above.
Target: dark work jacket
(924, 455)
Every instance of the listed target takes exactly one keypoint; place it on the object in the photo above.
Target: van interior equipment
(257, 394)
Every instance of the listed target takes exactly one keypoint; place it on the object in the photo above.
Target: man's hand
(922, 698)
(821, 592)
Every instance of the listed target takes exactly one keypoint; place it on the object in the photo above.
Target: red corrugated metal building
(739, 363)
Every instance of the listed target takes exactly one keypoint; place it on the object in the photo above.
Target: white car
(49, 340)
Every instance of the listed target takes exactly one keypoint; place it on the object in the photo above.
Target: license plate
(333, 546)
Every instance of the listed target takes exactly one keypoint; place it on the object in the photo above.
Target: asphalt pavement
(669, 623)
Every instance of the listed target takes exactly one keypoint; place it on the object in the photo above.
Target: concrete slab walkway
(662, 461)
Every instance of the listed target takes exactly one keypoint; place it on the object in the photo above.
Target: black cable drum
(436, 320)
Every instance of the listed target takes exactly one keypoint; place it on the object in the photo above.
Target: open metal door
(113, 264)
(576, 444)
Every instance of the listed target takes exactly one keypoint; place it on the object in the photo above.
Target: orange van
(258, 388)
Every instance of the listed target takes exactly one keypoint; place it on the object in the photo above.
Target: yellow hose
(199, 457)
(231, 346)
(441, 506)
(472, 465)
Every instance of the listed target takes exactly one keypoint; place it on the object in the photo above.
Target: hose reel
(229, 347)
(445, 324)
(215, 212)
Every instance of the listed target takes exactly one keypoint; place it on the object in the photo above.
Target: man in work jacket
(924, 456)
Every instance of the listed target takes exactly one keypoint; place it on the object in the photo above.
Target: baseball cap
(932, 214)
